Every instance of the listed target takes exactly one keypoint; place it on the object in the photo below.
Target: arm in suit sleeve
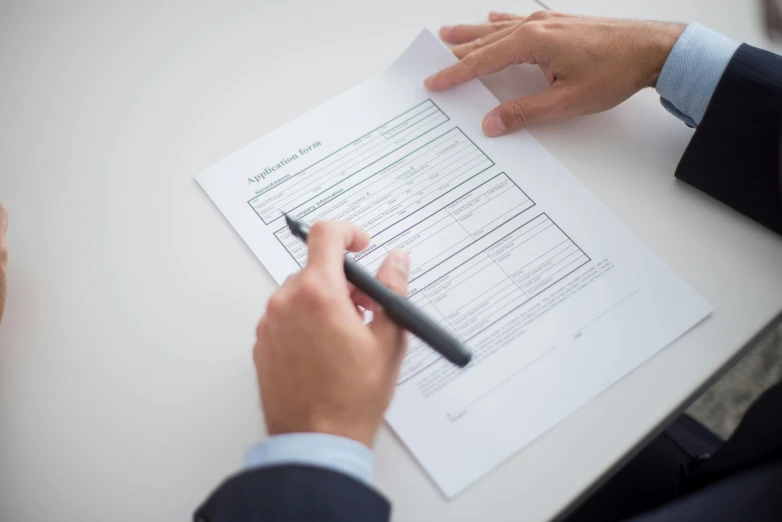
(293, 493)
(734, 155)
(742, 481)
(301, 477)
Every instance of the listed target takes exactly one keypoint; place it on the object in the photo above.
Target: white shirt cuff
(322, 450)
(692, 71)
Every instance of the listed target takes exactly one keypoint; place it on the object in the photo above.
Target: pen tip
(292, 223)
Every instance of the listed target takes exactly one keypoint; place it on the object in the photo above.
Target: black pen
(399, 309)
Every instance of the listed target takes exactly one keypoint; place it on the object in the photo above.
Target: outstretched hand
(591, 64)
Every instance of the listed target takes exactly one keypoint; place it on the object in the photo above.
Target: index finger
(328, 241)
(486, 60)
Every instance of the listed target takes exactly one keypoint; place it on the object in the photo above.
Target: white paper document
(552, 293)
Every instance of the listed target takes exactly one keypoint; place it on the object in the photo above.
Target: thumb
(555, 103)
(393, 274)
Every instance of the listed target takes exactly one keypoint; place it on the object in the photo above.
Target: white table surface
(127, 390)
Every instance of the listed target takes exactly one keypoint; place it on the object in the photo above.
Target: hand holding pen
(320, 367)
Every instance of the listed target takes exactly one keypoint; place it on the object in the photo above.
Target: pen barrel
(408, 316)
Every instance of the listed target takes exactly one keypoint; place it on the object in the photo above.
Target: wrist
(662, 38)
(314, 449)
(358, 432)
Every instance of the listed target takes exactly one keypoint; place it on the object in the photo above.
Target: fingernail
(400, 260)
(494, 14)
(445, 29)
(429, 82)
(493, 125)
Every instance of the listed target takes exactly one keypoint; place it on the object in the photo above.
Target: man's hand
(3, 257)
(591, 64)
(320, 368)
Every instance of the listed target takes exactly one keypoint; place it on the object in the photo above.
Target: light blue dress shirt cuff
(314, 449)
(692, 72)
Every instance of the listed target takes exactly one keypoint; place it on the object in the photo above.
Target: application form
(552, 293)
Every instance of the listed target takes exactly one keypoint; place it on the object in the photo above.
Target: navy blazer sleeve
(293, 494)
(734, 154)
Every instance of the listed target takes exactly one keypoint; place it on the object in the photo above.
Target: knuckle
(310, 291)
(259, 329)
(461, 50)
(471, 59)
(290, 282)
(541, 15)
(483, 40)
(471, 47)
(534, 30)
(319, 229)
(258, 350)
(261, 324)
(275, 305)
(520, 112)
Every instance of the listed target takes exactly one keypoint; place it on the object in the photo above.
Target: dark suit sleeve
(742, 481)
(293, 493)
(734, 155)
(751, 496)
